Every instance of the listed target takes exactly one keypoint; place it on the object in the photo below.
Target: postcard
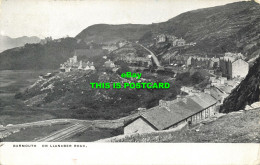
(129, 82)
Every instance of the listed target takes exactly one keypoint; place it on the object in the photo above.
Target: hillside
(233, 27)
(236, 127)
(69, 95)
(47, 56)
(8, 42)
(246, 93)
(132, 50)
(104, 33)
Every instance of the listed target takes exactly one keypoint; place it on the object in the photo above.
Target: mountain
(234, 27)
(246, 93)
(229, 28)
(8, 42)
(104, 33)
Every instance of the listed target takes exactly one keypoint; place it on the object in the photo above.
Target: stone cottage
(173, 114)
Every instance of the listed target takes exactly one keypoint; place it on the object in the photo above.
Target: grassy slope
(71, 96)
(31, 133)
(93, 134)
(236, 127)
(104, 33)
(232, 27)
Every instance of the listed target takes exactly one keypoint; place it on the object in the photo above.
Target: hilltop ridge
(8, 42)
(231, 27)
(228, 28)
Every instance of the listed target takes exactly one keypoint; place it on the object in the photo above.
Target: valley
(208, 58)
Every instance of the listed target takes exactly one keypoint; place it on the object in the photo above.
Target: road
(156, 61)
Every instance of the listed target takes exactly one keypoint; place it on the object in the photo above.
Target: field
(31, 133)
(14, 111)
(94, 134)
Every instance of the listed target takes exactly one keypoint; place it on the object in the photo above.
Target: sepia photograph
(140, 72)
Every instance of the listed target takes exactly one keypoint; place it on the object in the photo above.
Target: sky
(59, 18)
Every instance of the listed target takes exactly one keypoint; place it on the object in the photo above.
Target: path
(156, 61)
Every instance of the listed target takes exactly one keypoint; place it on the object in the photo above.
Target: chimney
(184, 100)
(178, 98)
(163, 103)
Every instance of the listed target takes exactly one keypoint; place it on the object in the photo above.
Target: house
(109, 64)
(214, 62)
(179, 59)
(170, 38)
(199, 62)
(217, 93)
(73, 60)
(217, 81)
(225, 89)
(109, 48)
(135, 61)
(73, 64)
(235, 55)
(232, 67)
(239, 68)
(161, 38)
(173, 114)
(179, 42)
(189, 90)
(205, 62)
(70, 64)
(86, 66)
(122, 43)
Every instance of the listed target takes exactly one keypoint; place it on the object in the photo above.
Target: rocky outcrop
(246, 93)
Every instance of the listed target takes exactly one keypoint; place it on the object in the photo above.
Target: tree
(184, 78)
(123, 67)
(197, 78)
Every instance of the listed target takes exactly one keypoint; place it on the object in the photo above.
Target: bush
(123, 67)
(184, 78)
(197, 78)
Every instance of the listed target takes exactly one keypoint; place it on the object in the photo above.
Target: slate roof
(206, 100)
(215, 59)
(216, 93)
(226, 89)
(160, 117)
(164, 117)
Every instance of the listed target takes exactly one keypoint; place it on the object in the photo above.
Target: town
(192, 105)
(169, 81)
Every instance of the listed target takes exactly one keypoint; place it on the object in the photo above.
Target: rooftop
(162, 117)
